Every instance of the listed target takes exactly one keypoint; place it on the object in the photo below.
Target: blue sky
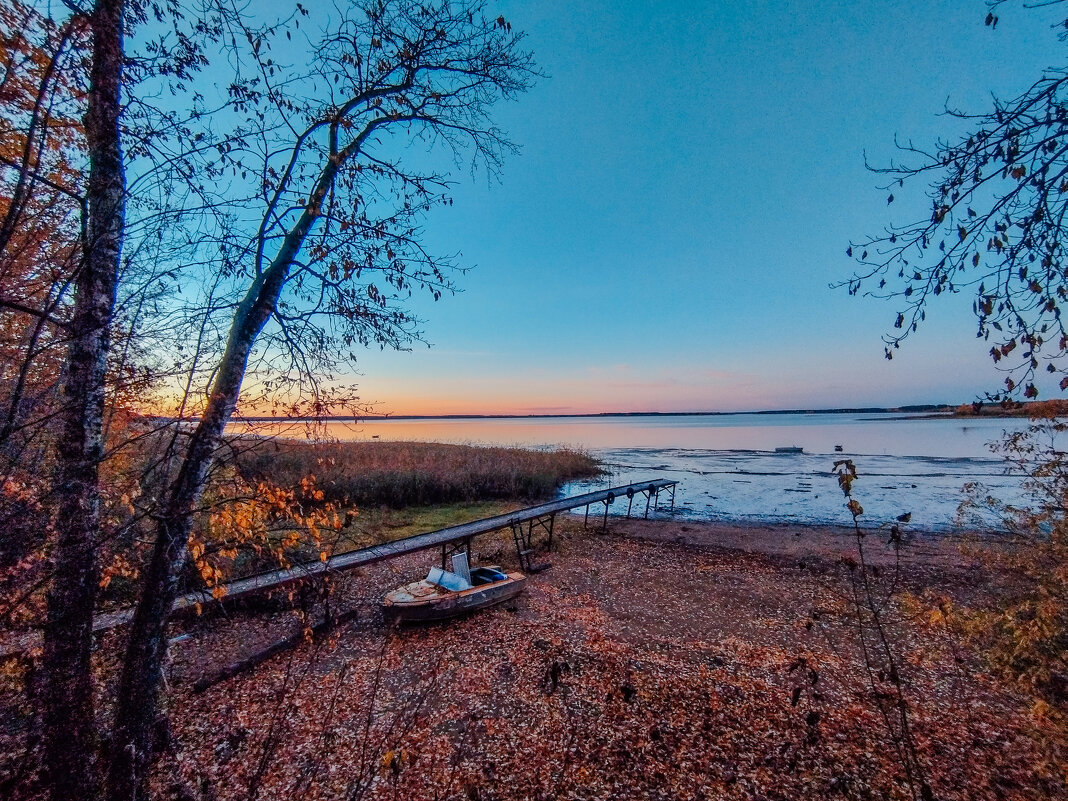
(691, 174)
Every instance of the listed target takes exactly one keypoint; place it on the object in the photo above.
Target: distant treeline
(919, 407)
(1047, 408)
(399, 474)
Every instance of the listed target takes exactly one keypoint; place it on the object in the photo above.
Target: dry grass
(376, 524)
(401, 474)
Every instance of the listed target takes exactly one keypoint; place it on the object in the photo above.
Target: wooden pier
(524, 523)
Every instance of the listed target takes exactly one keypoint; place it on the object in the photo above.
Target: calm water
(727, 468)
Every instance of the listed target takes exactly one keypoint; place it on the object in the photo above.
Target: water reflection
(866, 434)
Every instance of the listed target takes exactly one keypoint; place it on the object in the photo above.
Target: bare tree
(264, 223)
(336, 209)
(996, 228)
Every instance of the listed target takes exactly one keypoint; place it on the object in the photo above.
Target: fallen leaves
(630, 670)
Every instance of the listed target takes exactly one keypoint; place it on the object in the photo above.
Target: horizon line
(909, 408)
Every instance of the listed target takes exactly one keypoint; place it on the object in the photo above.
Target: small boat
(444, 594)
(790, 449)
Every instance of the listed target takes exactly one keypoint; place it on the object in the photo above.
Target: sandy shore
(792, 541)
(777, 561)
(656, 660)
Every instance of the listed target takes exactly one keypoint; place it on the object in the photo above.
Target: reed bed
(401, 474)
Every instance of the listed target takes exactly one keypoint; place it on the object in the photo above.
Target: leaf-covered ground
(634, 668)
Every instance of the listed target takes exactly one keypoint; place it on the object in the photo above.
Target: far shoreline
(932, 410)
(964, 411)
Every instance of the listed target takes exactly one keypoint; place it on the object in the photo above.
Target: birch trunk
(68, 715)
(142, 674)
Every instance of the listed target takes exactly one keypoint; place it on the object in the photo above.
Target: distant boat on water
(790, 449)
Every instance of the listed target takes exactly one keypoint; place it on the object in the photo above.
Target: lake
(726, 465)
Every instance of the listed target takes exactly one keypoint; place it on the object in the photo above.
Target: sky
(690, 176)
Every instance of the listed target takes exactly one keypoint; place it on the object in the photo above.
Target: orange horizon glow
(436, 385)
(565, 399)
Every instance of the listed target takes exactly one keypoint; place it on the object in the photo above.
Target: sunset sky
(691, 174)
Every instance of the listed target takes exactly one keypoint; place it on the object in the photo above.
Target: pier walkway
(524, 523)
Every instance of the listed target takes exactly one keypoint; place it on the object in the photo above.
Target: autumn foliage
(1054, 407)
(40, 177)
(1021, 630)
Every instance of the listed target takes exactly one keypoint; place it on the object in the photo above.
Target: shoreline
(732, 486)
(1029, 409)
(794, 540)
(655, 644)
(931, 409)
(792, 527)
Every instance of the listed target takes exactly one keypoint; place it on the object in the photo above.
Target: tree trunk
(142, 670)
(68, 714)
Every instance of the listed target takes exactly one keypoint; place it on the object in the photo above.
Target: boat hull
(422, 606)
